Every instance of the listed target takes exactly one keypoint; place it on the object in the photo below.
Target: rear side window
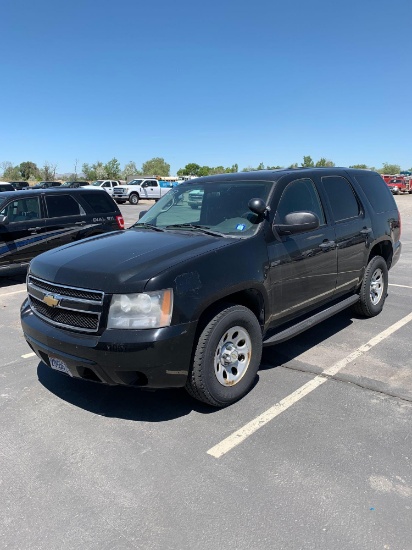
(378, 193)
(341, 198)
(100, 203)
(62, 205)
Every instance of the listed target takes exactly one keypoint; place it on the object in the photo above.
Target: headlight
(146, 310)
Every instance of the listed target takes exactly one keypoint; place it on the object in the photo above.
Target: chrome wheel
(232, 356)
(376, 286)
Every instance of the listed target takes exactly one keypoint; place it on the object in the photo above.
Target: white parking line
(240, 435)
(401, 286)
(14, 292)
(27, 355)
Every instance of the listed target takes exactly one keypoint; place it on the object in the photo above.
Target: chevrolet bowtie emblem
(50, 300)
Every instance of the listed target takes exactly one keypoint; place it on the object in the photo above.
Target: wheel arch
(250, 298)
(384, 249)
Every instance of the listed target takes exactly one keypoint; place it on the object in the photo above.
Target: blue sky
(215, 83)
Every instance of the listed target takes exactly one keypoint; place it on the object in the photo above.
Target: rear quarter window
(99, 203)
(376, 191)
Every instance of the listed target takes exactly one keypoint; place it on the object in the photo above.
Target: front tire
(374, 288)
(227, 357)
(134, 198)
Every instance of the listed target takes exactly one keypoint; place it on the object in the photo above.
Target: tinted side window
(377, 191)
(341, 197)
(62, 205)
(300, 196)
(99, 203)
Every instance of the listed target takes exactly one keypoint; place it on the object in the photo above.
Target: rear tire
(374, 288)
(134, 198)
(227, 357)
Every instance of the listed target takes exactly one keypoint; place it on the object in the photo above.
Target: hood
(122, 261)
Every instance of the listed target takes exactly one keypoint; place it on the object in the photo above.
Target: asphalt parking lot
(317, 456)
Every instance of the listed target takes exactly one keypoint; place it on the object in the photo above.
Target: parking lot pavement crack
(361, 382)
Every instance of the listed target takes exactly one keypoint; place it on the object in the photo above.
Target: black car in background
(46, 184)
(20, 185)
(5, 186)
(37, 220)
(75, 184)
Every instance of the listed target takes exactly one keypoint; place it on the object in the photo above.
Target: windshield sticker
(240, 227)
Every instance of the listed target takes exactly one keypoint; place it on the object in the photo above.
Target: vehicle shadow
(123, 402)
(287, 352)
(16, 278)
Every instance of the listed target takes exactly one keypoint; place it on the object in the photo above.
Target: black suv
(5, 186)
(34, 221)
(75, 184)
(46, 184)
(20, 185)
(188, 297)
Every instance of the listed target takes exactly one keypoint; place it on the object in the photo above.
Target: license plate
(58, 364)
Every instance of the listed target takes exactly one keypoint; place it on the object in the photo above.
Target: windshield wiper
(147, 226)
(202, 228)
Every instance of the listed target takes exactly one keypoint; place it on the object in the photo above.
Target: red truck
(398, 184)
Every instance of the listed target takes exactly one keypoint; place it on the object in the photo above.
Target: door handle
(80, 223)
(327, 245)
(366, 231)
(34, 229)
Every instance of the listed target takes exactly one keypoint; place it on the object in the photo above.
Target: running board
(311, 321)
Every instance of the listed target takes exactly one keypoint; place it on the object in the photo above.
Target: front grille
(66, 290)
(69, 307)
(66, 318)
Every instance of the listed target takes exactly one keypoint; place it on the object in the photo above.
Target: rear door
(65, 218)
(24, 236)
(352, 228)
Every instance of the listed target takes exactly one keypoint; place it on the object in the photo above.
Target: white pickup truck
(107, 185)
(144, 188)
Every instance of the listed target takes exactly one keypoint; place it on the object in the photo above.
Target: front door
(303, 266)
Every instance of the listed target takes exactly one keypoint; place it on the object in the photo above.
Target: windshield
(66, 184)
(98, 182)
(221, 207)
(135, 182)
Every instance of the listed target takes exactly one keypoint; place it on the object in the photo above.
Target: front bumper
(121, 196)
(153, 358)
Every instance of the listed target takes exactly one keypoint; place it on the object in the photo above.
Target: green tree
(112, 169)
(156, 167)
(322, 163)
(95, 171)
(274, 167)
(294, 165)
(191, 169)
(48, 171)
(389, 168)
(9, 172)
(130, 169)
(29, 170)
(307, 162)
(360, 166)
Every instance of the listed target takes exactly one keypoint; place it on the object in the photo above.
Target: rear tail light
(120, 222)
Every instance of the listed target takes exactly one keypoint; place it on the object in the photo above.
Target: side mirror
(257, 206)
(142, 213)
(4, 220)
(297, 222)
